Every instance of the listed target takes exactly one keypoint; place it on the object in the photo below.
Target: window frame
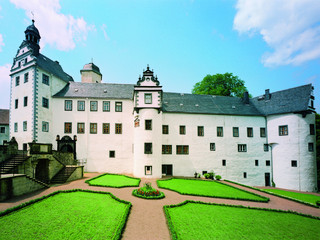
(79, 103)
(25, 126)
(15, 127)
(312, 129)
(93, 128)
(182, 130)
(45, 102)
(148, 172)
(235, 131)
(266, 147)
(68, 126)
(148, 124)
(118, 128)
(106, 106)
(79, 128)
(16, 103)
(294, 163)
(106, 126)
(2, 130)
(283, 130)
(148, 100)
(68, 105)
(165, 129)
(182, 149)
(200, 131)
(219, 131)
(118, 106)
(212, 146)
(93, 106)
(310, 147)
(26, 77)
(112, 154)
(25, 101)
(224, 162)
(166, 149)
(45, 79)
(249, 132)
(148, 148)
(256, 162)
(242, 148)
(268, 163)
(17, 81)
(263, 132)
(45, 126)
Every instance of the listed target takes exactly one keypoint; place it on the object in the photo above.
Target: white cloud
(56, 29)
(1, 42)
(290, 28)
(5, 85)
(103, 28)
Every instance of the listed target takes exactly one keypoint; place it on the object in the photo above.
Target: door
(167, 169)
(267, 179)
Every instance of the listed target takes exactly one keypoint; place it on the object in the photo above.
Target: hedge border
(120, 227)
(266, 199)
(277, 195)
(161, 196)
(173, 232)
(97, 185)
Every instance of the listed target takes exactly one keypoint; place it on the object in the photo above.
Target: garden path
(147, 219)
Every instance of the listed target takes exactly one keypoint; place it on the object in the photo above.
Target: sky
(270, 44)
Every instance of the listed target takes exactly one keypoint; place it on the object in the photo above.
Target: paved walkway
(147, 219)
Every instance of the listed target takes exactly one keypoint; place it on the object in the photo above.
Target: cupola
(33, 37)
(90, 73)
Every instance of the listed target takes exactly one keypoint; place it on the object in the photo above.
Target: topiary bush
(218, 177)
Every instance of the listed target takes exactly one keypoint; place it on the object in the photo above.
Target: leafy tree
(220, 84)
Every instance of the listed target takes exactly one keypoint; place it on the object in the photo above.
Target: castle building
(4, 125)
(138, 129)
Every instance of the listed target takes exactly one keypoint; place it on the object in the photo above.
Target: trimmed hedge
(264, 199)
(274, 194)
(106, 185)
(120, 226)
(134, 193)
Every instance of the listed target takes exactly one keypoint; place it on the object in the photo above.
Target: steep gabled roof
(206, 104)
(53, 67)
(97, 90)
(4, 116)
(291, 100)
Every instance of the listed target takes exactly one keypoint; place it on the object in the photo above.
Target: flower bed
(148, 192)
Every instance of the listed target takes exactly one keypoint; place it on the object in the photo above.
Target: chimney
(267, 95)
(246, 98)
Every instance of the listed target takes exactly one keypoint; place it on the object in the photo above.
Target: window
(294, 163)
(118, 128)
(266, 147)
(212, 146)
(235, 131)
(93, 128)
(242, 147)
(224, 162)
(26, 77)
(45, 79)
(310, 147)
(81, 105)
(283, 130)
(68, 105)
(105, 128)
(93, 106)
(166, 149)
(148, 98)
(262, 132)
(45, 126)
(200, 131)
(312, 131)
(80, 128)
(45, 102)
(67, 127)
(148, 170)
(16, 103)
(219, 131)
(16, 127)
(112, 154)
(148, 148)
(165, 129)
(148, 124)
(2, 130)
(256, 162)
(267, 163)
(25, 126)
(106, 106)
(244, 175)
(182, 130)
(18, 81)
(249, 132)
(183, 149)
(118, 106)
(25, 101)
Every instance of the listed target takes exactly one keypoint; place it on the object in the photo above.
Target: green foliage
(218, 177)
(206, 175)
(237, 222)
(208, 189)
(220, 84)
(114, 180)
(72, 214)
(148, 192)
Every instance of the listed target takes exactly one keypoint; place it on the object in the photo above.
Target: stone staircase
(9, 165)
(37, 181)
(63, 175)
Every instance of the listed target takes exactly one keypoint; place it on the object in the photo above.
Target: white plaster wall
(156, 99)
(294, 146)
(200, 157)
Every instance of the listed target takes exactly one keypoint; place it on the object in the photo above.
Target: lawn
(114, 180)
(78, 214)
(304, 197)
(208, 189)
(194, 220)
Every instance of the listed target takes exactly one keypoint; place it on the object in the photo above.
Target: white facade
(136, 129)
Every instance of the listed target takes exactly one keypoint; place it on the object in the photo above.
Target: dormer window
(148, 98)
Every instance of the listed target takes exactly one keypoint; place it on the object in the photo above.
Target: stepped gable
(291, 100)
(206, 104)
(4, 116)
(97, 90)
(53, 67)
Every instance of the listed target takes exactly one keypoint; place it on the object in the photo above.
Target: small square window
(148, 148)
(106, 128)
(148, 124)
(148, 98)
(224, 162)
(219, 131)
(166, 149)
(16, 103)
(283, 130)
(235, 131)
(45, 79)
(242, 147)
(45, 126)
(81, 105)
(67, 127)
(244, 175)
(262, 132)
(182, 149)
(112, 154)
(45, 102)
(294, 163)
(165, 129)
(148, 170)
(93, 128)
(310, 147)
(25, 124)
(256, 162)
(312, 130)
(16, 127)
(200, 131)
(267, 163)
(2, 130)
(118, 106)
(68, 105)
(118, 129)
(25, 101)
(26, 77)
(93, 106)
(106, 106)
(182, 130)
(249, 132)
(18, 81)
(266, 147)
(212, 146)
(80, 128)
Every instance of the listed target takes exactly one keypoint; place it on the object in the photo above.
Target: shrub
(218, 177)
(206, 175)
(148, 192)
(211, 175)
(318, 203)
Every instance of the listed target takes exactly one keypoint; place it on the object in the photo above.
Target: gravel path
(147, 219)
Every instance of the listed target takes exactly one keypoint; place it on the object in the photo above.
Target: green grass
(308, 198)
(208, 189)
(75, 214)
(195, 220)
(114, 180)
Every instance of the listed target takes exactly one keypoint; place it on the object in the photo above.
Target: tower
(90, 74)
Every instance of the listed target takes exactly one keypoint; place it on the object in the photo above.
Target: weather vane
(32, 16)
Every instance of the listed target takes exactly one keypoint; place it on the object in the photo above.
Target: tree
(220, 84)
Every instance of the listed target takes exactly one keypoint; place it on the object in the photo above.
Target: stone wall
(77, 174)
(65, 158)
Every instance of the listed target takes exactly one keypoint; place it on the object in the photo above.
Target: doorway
(42, 170)
(167, 169)
(267, 179)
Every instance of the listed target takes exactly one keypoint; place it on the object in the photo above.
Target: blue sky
(268, 43)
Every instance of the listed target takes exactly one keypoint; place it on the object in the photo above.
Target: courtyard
(147, 219)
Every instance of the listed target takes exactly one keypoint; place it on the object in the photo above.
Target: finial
(91, 60)
(32, 17)
(147, 66)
